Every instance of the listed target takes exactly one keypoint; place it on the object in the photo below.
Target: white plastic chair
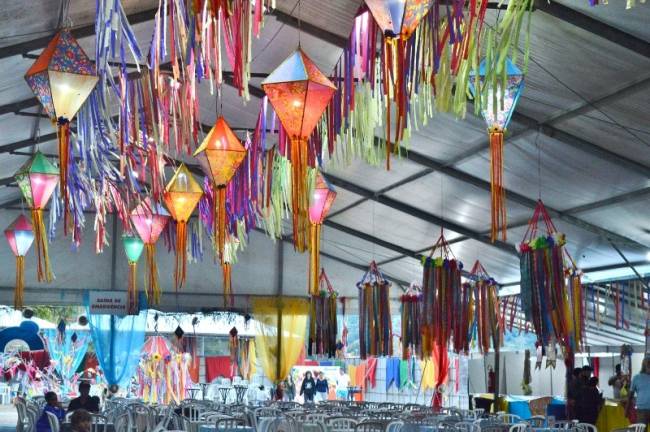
(519, 427)
(54, 422)
(341, 424)
(637, 427)
(99, 423)
(509, 418)
(586, 427)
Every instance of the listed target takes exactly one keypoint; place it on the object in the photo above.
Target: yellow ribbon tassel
(180, 273)
(20, 282)
(43, 271)
(314, 257)
(132, 305)
(220, 222)
(64, 152)
(499, 222)
(226, 271)
(153, 288)
(299, 193)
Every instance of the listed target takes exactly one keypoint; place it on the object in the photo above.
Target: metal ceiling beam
(615, 200)
(310, 29)
(594, 26)
(420, 214)
(78, 32)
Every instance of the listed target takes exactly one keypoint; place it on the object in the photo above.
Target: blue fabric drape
(66, 353)
(118, 342)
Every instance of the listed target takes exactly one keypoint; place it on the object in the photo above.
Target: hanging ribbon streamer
(486, 314)
(411, 304)
(322, 319)
(375, 328)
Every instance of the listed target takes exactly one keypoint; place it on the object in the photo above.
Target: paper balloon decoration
(498, 102)
(149, 219)
(181, 196)
(37, 179)
(299, 93)
(321, 201)
(20, 238)
(62, 78)
(398, 18)
(133, 247)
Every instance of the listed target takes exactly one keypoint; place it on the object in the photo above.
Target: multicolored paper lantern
(149, 220)
(37, 179)
(321, 201)
(299, 93)
(20, 237)
(398, 18)
(62, 78)
(498, 93)
(133, 247)
(181, 196)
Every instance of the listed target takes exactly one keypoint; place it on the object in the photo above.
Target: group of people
(584, 398)
(81, 407)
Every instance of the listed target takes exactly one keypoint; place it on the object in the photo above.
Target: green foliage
(54, 314)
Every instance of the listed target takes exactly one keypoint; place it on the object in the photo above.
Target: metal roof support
(310, 29)
(79, 32)
(594, 26)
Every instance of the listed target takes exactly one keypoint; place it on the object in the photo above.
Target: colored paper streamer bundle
(322, 319)
(486, 308)
(375, 327)
(551, 292)
(444, 299)
(411, 302)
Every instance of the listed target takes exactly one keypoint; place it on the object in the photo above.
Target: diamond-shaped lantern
(398, 18)
(62, 78)
(37, 179)
(219, 155)
(133, 247)
(181, 196)
(321, 201)
(149, 220)
(20, 238)
(497, 104)
(299, 94)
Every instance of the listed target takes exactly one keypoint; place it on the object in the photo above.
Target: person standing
(84, 401)
(641, 389)
(322, 388)
(342, 385)
(589, 402)
(308, 388)
(617, 381)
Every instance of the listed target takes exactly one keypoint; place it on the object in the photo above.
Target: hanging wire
(299, 21)
(538, 144)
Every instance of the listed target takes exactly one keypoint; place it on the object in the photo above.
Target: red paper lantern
(299, 93)
(20, 237)
(321, 202)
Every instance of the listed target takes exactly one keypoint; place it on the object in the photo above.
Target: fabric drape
(66, 352)
(281, 330)
(117, 341)
(218, 366)
(428, 369)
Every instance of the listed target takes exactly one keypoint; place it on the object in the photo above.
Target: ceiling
(579, 140)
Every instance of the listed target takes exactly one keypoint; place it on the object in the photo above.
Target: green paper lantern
(133, 247)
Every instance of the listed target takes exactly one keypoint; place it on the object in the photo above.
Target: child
(53, 406)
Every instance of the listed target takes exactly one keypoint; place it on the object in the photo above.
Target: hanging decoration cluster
(551, 292)
(411, 303)
(487, 319)
(375, 327)
(445, 301)
(323, 327)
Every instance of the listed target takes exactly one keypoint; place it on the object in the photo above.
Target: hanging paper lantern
(133, 247)
(398, 18)
(181, 196)
(321, 201)
(149, 219)
(220, 154)
(323, 328)
(20, 238)
(411, 302)
(62, 78)
(375, 328)
(442, 298)
(37, 179)
(299, 93)
(551, 291)
(497, 93)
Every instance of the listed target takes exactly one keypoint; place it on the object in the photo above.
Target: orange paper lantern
(181, 196)
(299, 93)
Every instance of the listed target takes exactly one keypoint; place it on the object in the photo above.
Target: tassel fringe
(180, 272)
(153, 288)
(499, 218)
(20, 282)
(43, 271)
(132, 305)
